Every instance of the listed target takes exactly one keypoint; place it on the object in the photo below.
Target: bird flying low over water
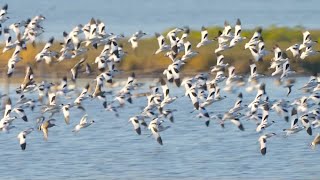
(263, 142)
(22, 138)
(86, 72)
(154, 128)
(45, 125)
(83, 124)
(315, 141)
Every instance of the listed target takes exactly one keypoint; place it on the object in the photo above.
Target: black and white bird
(264, 120)
(21, 113)
(307, 40)
(203, 113)
(306, 124)
(263, 142)
(255, 39)
(204, 38)
(22, 138)
(46, 54)
(162, 44)
(188, 53)
(154, 128)
(66, 113)
(295, 50)
(136, 124)
(237, 38)
(3, 14)
(294, 128)
(309, 51)
(135, 37)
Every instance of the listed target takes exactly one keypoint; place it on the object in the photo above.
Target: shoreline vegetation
(144, 63)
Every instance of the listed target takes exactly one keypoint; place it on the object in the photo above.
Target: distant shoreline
(145, 63)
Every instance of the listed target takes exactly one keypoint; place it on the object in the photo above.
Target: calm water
(110, 149)
(127, 16)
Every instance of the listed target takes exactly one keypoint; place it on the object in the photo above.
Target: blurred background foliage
(144, 61)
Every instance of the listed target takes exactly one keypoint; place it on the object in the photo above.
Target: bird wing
(83, 119)
(306, 36)
(45, 133)
(294, 117)
(156, 134)
(263, 147)
(164, 87)
(194, 98)
(48, 44)
(237, 122)
(136, 124)
(21, 113)
(28, 79)
(237, 28)
(8, 107)
(204, 34)
(66, 114)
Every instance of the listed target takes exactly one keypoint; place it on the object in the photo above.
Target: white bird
(312, 83)
(22, 138)
(238, 104)
(21, 113)
(255, 39)
(181, 41)
(254, 76)
(192, 94)
(46, 54)
(204, 38)
(258, 50)
(226, 33)
(3, 14)
(306, 124)
(188, 53)
(173, 72)
(307, 41)
(220, 64)
(286, 70)
(315, 141)
(135, 37)
(263, 140)
(172, 35)
(154, 127)
(232, 78)
(294, 128)
(162, 44)
(237, 38)
(234, 117)
(278, 70)
(136, 125)
(83, 124)
(308, 52)
(66, 113)
(295, 50)
(203, 113)
(264, 120)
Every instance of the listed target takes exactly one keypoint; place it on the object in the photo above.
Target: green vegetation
(143, 61)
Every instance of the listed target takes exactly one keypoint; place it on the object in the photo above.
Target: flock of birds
(303, 113)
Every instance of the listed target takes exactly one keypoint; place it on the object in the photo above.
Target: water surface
(111, 149)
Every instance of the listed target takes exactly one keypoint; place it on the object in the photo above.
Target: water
(110, 149)
(126, 16)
